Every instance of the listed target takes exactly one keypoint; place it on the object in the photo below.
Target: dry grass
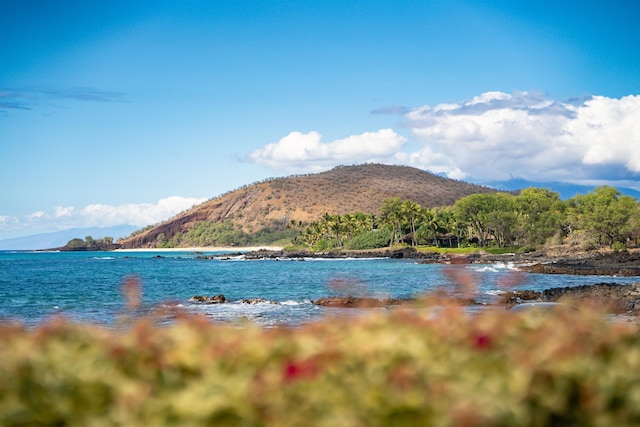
(305, 198)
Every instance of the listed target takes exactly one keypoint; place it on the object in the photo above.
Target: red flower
(482, 342)
(299, 371)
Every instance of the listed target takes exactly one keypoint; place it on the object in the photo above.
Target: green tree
(450, 225)
(428, 227)
(541, 214)
(489, 215)
(473, 210)
(632, 230)
(410, 213)
(605, 214)
(76, 243)
(391, 216)
(501, 218)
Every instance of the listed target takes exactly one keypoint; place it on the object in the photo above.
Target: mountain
(565, 189)
(274, 203)
(60, 238)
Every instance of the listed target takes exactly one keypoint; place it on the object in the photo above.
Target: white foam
(485, 268)
(495, 267)
(292, 302)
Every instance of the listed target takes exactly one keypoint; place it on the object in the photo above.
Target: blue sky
(118, 112)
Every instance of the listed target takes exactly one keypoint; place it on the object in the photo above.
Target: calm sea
(87, 286)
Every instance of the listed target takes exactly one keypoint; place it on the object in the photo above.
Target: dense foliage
(210, 233)
(90, 244)
(530, 218)
(401, 368)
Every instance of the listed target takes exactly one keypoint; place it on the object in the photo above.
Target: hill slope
(303, 198)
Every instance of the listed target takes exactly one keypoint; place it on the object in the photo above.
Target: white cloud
(610, 128)
(136, 214)
(96, 215)
(496, 136)
(299, 151)
(37, 215)
(493, 136)
(62, 211)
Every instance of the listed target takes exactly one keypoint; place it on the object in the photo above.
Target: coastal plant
(427, 365)
(370, 240)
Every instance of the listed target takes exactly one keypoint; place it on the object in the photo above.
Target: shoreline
(225, 249)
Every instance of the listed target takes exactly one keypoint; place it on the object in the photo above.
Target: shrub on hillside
(370, 240)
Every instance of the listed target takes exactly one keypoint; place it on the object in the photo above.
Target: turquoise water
(87, 286)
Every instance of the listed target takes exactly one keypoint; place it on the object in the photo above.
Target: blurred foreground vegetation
(410, 367)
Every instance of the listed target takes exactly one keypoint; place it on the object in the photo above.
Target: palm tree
(410, 212)
(391, 215)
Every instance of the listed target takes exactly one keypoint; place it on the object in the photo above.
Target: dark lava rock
(608, 264)
(203, 299)
(358, 302)
(615, 297)
(254, 301)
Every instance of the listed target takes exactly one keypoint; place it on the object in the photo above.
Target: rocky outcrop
(221, 299)
(256, 301)
(359, 302)
(204, 299)
(613, 296)
(608, 264)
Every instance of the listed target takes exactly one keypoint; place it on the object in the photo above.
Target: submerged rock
(256, 301)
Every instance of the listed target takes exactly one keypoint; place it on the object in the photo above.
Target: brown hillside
(344, 189)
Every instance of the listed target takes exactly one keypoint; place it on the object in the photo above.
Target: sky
(120, 112)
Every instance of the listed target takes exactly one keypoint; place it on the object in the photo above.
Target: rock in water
(204, 299)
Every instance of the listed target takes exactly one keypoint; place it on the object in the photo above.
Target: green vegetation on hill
(531, 218)
(209, 233)
(90, 244)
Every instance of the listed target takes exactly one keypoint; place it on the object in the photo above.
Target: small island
(89, 244)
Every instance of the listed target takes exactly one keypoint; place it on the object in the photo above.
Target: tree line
(89, 243)
(533, 217)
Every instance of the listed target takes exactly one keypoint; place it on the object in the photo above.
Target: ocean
(88, 286)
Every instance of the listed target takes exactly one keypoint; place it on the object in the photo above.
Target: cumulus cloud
(63, 211)
(136, 214)
(305, 151)
(95, 215)
(493, 136)
(497, 136)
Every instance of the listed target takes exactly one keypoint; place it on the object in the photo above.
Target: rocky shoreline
(611, 297)
(602, 264)
(621, 263)
(615, 297)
